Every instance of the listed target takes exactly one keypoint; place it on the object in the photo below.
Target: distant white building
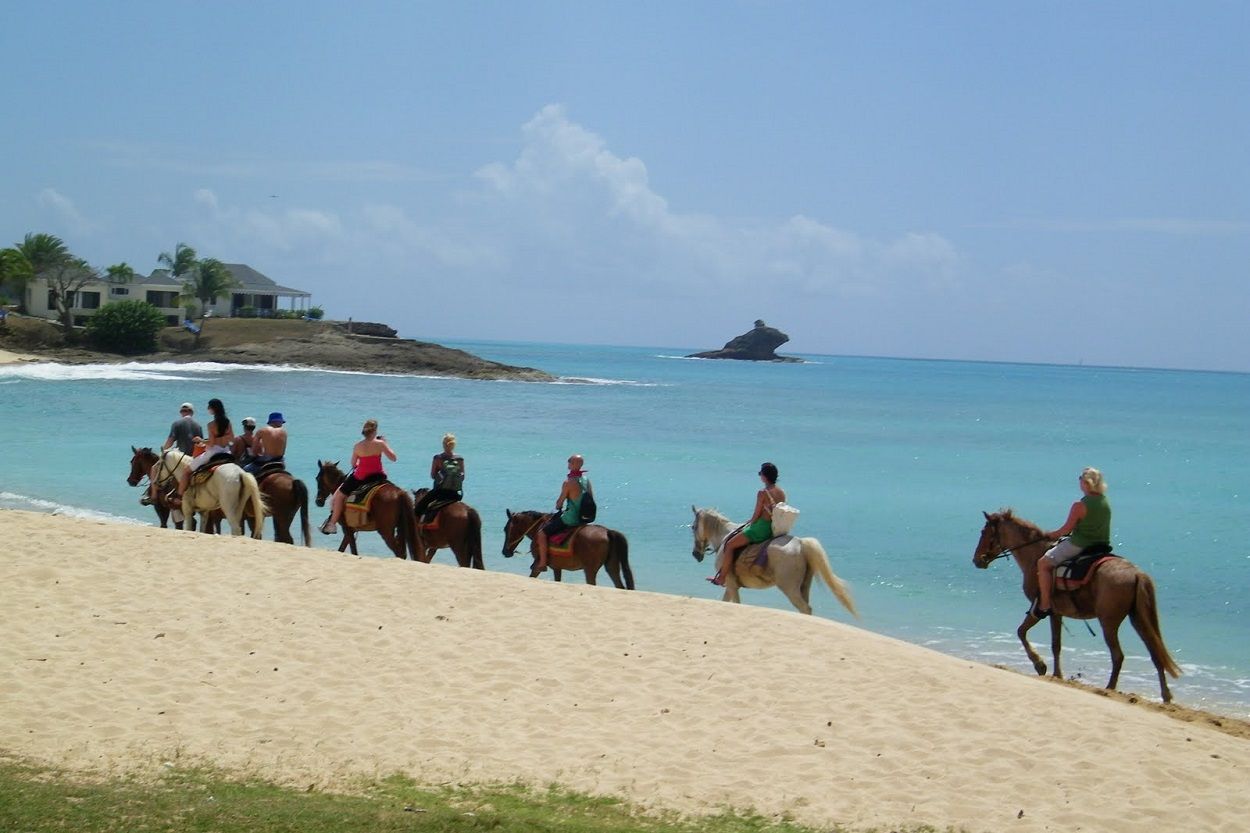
(256, 296)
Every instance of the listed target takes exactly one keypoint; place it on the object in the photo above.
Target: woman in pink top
(366, 466)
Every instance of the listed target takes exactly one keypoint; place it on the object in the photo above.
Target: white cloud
(282, 230)
(65, 210)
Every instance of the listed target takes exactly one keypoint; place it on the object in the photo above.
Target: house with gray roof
(255, 296)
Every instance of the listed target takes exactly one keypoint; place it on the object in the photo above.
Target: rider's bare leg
(541, 540)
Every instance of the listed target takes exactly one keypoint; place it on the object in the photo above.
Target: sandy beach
(9, 357)
(127, 647)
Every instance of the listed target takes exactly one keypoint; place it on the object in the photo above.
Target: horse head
(701, 542)
(1003, 533)
(519, 525)
(140, 464)
(329, 478)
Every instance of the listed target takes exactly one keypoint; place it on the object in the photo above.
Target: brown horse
(390, 511)
(1117, 589)
(141, 464)
(285, 496)
(458, 526)
(594, 547)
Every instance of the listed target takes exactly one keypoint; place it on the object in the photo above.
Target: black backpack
(589, 508)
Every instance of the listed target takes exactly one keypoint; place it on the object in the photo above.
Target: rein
(1009, 550)
(526, 533)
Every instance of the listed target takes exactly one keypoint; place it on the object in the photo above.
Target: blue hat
(276, 416)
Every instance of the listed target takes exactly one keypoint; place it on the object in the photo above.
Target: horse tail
(818, 562)
(249, 491)
(408, 524)
(1145, 618)
(618, 548)
(300, 491)
(473, 537)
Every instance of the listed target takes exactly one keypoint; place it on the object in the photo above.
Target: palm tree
(181, 263)
(43, 253)
(65, 280)
(15, 273)
(208, 280)
(120, 273)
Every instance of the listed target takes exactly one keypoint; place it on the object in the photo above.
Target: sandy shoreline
(127, 647)
(9, 357)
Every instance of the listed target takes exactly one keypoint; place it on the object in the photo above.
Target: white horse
(790, 566)
(228, 488)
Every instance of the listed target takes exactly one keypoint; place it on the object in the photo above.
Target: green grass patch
(41, 800)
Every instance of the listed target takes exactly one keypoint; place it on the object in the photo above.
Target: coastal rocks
(756, 345)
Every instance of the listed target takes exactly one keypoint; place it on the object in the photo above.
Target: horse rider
(366, 465)
(1088, 524)
(182, 433)
(758, 529)
(241, 448)
(269, 444)
(447, 472)
(568, 512)
(219, 441)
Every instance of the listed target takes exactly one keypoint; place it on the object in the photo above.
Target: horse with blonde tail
(1117, 589)
(227, 488)
(787, 563)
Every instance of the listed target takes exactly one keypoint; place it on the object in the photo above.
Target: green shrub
(316, 313)
(126, 327)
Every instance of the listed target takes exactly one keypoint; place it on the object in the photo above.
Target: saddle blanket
(202, 474)
(1076, 572)
(356, 509)
(269, 470)
(562, 542)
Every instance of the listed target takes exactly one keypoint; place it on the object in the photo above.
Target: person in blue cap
(269, 444)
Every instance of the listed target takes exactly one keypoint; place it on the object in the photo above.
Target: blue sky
(1061, 182)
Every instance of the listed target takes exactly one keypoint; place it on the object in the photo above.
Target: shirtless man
(269, 444)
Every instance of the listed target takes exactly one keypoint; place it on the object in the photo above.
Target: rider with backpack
(447, 472)
(575, 506)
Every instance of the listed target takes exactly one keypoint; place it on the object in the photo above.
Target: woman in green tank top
(1088, 523)
(759, 528)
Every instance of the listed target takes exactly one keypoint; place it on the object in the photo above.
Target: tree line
(41, 255)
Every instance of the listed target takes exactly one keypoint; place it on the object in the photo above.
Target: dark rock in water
(757, 345)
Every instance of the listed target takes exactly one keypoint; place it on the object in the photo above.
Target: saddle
(433, 510)
(356, 509)
(1076, 572)
(562, 542)
(269, 470)
(204, 472)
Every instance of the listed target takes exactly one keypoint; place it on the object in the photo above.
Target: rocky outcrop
(757, 345)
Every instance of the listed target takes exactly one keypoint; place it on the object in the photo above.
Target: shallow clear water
(891, 462)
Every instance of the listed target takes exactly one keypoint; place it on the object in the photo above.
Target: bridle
(1002, 552)
(525, 534)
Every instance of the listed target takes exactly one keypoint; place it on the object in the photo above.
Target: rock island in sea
(758, 344)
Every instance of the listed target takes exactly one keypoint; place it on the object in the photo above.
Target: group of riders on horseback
(760, 553)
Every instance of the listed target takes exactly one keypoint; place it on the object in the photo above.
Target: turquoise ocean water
(891, 462)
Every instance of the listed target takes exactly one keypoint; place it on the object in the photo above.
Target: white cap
(186, 406)
(249, 420)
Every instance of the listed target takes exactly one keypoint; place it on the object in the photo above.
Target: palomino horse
(458, 526)
(285, 496)
(227, 488)
(141, 465)
(791, 565)
(593, 547)
(390, 511)
(1117, 589)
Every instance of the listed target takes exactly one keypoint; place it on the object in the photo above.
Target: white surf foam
(155, 371)
(9, 500)
(591, 380)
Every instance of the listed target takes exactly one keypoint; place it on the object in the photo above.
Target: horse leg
(1023, 632)
(1111, 635)
(613, 569)
(394, 541)
(795, 594)
(556, 572)
(805, 589)
(1056, 636)
(731, 586)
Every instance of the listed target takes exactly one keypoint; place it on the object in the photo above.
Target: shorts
(758, 530)
(555, 526)
(1065, 550)
(212, 451)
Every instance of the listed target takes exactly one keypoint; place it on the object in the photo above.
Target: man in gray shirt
(184, 430)
(182, 434)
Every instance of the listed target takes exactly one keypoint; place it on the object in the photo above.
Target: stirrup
(1036, 610)
(328, 528)
(146, 500)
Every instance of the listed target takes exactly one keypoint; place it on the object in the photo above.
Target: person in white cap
(241, 448)
(182, 434)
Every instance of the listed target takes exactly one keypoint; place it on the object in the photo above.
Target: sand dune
(126, 647)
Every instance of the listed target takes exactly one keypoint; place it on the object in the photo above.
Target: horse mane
(1007, 513)
(715, 514)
